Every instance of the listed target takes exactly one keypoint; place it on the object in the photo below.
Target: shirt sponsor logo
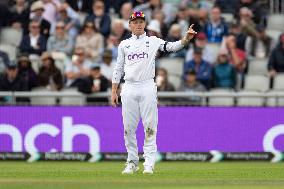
(137, 56)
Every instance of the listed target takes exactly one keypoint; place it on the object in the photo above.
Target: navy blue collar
(139, 37)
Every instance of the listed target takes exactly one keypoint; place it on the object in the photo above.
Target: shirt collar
(138, 37)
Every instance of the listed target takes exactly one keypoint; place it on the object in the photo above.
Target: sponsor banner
(181, 129)
(188, 156)
(212, 156)
(14, 156)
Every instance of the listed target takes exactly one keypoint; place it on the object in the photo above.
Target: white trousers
(139, 100)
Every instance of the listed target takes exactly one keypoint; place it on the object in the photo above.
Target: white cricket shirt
(136, 57)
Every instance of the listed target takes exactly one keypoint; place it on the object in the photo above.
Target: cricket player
(136, 60)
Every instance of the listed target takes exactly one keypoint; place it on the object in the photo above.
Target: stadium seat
(278, 83)
(42, 100)
(258, 66)
(221, 101)
(174, 66)
(229, 17)
(274, 34)
(215, 48)
(276, 22)
(175, 80)
(11, 36)
(10, 50)
(68, 100)
(249, 101)
(256, 83)
(274, 101)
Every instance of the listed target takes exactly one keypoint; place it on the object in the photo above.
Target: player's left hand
(190, 32)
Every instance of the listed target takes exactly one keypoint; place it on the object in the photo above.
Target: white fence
(212, 98)
(276, 6)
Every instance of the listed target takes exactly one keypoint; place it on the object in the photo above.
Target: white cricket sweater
(136, 57)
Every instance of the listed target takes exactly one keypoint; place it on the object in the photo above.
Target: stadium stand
(253, 80)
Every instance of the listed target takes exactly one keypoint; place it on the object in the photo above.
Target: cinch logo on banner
(69, 131)
(270, 136)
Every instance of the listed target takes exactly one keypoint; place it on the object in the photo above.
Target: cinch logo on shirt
(137, 56)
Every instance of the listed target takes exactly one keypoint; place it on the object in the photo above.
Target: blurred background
(57, 59)
(54, 48)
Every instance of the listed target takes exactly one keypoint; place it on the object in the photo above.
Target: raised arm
(177, 45)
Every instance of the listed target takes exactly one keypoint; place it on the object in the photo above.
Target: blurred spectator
(185, 21)
(201, 42)
(4, 20)
(255, 7)
(113, 6)
(237, 57)
(112, 44)
(227, 6)
(100, 19)
(241, 38)
(26, 71)
(154, 28)
(34, 42)
(91, 41)
(162, 81)
(216, 28)
(261, 46)
(160, 16)
(37, 10)
(155, 5)
(117, 29)
(60, 42)
(201, 67)
(20, 15)
(247, 24)
(138, 2)
(125, 12)
(224, 73)
(191, 84)
(50, 10)
(96, 82)
(12, 81)
(175, 35)
(49, 75)
(107, 65)
(78, 68)
(4, 61)
(84, 6)
(276, 59)
(197, 9)
(71, 19)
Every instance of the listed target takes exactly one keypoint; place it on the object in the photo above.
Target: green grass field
(47, 175)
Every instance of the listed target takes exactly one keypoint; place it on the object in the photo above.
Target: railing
(276, 6)
(162, 95)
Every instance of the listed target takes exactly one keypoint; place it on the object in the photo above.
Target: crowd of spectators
(73, 43)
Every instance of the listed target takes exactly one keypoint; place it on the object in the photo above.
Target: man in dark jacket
(37, 9)
(81, 5)
(100, 19)
(12, 81)
(96, 82)
(34, 42)
(4, 61)
(202, 68)
(255, 7)
(276, 59)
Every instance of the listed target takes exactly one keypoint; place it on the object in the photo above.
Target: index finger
(191, 26)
